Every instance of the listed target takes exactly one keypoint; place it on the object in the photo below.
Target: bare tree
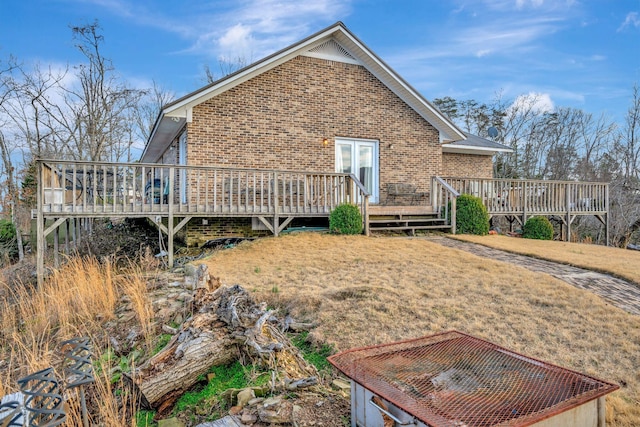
(226, 66)
(97, 108)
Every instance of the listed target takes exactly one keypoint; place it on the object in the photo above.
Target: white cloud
(237, 38)
(535, 3)
(532, 101)
(241, 28)
(631, 20)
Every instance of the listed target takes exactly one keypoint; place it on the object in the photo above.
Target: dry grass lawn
(620, 262)
(364, 291)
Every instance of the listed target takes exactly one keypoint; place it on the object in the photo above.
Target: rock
(277, 414)
(342, 385)
(245, 396)
(169, 330)
(255, 401)
(248, 418)
(272, 401)
(235, 410)
(170, 422)
(178, 319)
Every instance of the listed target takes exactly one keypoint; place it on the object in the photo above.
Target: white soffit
(331, 51)
(468, 149)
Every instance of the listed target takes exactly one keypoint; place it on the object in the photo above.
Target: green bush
(538, 227)
(345, 219)
(8, 241)
(471, 215)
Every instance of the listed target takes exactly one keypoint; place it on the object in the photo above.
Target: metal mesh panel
(453, 379)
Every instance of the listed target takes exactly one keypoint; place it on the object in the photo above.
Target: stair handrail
(443, 194)
(364, 202)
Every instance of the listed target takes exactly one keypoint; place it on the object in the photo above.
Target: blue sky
(583, 54)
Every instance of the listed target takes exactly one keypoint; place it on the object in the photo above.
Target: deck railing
(443, 200)
(529, 197)
(102, 189)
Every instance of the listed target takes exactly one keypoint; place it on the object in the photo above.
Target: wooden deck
(519, 199)
(171, 195)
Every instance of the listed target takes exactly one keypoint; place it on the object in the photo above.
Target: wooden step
(405, 220)
(411, 228)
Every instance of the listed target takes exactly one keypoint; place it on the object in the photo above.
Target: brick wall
(278, 120)
(198, 233)
(466, 165)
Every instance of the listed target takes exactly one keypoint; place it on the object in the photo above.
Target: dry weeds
(365, 291)
(75, 301)
(619, 262)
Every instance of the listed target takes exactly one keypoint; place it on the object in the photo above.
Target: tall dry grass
(74, 301)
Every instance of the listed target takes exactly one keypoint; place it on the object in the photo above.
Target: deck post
(56, 245)
(170, 228)
(366, 215)
(606, 215)
(524, 203)
(568, 202)
(40, 241)
(453, 214)
(276, 203)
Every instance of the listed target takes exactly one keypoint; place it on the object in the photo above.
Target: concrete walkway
(619, 292)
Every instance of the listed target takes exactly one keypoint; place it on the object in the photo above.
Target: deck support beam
(274, 227)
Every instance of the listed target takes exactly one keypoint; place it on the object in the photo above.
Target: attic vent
(332, 51)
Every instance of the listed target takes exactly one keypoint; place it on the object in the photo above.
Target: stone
(272, 401)
(255, 401)
(248, 418)
(170, 422)
(235, 410)
(281, 414)
(342, 385)
(244, 396)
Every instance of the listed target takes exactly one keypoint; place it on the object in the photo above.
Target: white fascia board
(468, 149)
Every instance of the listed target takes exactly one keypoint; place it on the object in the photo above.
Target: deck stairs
(405, 219)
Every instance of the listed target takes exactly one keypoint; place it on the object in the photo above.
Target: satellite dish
(492, 131)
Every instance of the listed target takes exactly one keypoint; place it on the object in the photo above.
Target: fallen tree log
(226, 325)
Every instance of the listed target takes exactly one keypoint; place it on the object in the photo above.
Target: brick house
(325, 104)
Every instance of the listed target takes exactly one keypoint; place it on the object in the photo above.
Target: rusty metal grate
(454, 379)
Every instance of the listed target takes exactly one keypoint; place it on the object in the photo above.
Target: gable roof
(474, 144)
(336, 43)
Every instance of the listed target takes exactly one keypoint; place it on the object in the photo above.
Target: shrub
(538, 227)
(8, 242)
(471, 215)
(345, 219)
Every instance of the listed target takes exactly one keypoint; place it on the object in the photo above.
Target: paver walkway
(619, 292)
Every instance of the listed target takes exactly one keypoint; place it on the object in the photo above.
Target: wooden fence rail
(531, 197)
(104, 189)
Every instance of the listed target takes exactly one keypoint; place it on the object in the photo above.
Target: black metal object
(44, 403)
(11, 414)
(77, 362)
(78, 368)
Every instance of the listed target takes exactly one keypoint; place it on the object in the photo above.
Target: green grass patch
(317, 356)
(163, 340)
(145, 419)
(230, 376)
